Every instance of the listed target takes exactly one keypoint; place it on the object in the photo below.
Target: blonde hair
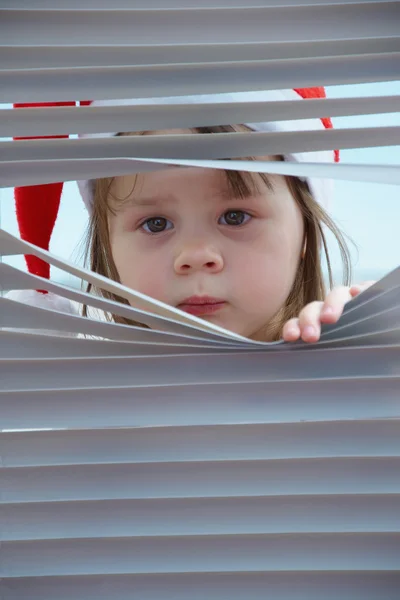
(309, 284)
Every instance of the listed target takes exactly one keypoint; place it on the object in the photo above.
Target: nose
(198, 257)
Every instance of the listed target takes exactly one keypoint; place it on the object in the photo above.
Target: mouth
(201, 305)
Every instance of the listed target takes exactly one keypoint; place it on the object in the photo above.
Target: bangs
(241, 184)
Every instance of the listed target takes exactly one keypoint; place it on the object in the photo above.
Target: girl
(241, 250)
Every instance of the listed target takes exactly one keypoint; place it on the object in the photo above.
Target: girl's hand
(308, 325)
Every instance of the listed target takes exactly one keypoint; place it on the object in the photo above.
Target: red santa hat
(36, 209)
(37, 206)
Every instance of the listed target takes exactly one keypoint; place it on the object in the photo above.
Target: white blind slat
(102, 5)
(359, 438)
(251, 585)
(51, 56)
(286, 477)
(371, 304)
(299, 552)
(103, 119)
(29, 344)
(260, 402)
(389, 337)
(190, 369)
(45, 85)
(150, 517)
(200, 146)
(200, 25)
(21, 345)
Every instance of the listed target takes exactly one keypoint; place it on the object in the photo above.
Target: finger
(291, 330)
(334, 304)
(309, 321)
(357, 288)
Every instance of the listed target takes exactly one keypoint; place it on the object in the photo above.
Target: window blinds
(136, 50)
(181, 461)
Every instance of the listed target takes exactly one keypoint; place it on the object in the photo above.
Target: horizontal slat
(241, 367)
(388, 337)
(219, 442)
(200, 516)
(215, 25)
(199, 145)
(99, 5)
(23, 57)
(285, 585)
(103, 119)
(20, 173)
(29, 344)
(204, 404)
(376, 321)
(301, 552)
(378, 314)
(26, 344)
(44, 85)
(202, 479)
(382, 286)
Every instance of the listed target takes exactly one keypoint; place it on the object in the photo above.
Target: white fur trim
(49, 301)
(322, 189)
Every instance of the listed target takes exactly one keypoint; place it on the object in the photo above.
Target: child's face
(184, 239)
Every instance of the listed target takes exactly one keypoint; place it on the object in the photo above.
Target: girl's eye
(234, 217)
(156, 225)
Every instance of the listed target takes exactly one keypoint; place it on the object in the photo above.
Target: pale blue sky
(368, 213)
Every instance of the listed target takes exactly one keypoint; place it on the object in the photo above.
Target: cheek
(147, 275)
(269, 266)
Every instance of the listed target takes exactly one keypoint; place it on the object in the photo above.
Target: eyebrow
(226, 195)
(151, 200)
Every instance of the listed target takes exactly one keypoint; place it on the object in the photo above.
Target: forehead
(173, 179)
(198, 183)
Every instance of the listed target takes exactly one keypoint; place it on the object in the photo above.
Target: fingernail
(309, 331)
(327, 311)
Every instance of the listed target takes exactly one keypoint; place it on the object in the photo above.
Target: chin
(216, 320)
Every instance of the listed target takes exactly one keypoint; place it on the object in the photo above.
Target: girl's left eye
(234, 218)
(156, 225)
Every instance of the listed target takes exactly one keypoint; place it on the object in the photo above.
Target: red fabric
(318, 92)
(37, 207)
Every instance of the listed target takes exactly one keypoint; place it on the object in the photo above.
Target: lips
(201, 305)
